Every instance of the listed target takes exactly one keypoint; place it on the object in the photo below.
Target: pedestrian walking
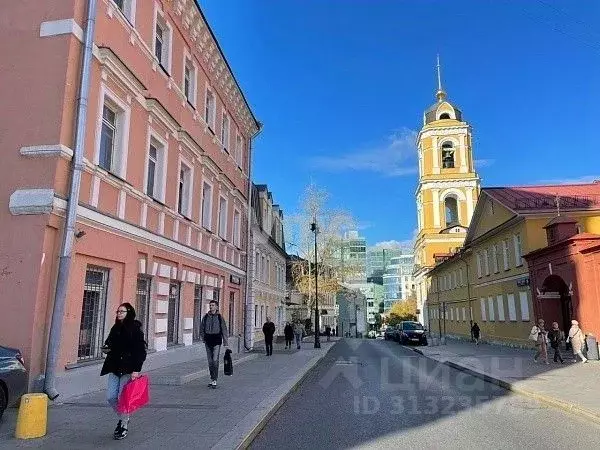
(556, 337)
(539, 335)
(213, 332)
(125, 350)
(269, 330)
(328, 332)
(298, 332)
(577, 339)
(476, 332)
(288, 332)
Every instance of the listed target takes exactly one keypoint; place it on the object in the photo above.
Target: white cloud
(580, 180)
(394, 244)
(395, 157)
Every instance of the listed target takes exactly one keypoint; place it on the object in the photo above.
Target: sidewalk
(181, 413)
(571, 386)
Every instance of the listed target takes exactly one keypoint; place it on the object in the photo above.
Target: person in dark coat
(476, 332)
(125, 351)
(213, 331)
(288, 331)
(269, 330)
(328, 332)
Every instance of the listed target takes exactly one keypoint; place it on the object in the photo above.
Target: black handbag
(227, 363)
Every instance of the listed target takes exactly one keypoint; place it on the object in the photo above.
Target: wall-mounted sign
(523, 281)
(234, 279)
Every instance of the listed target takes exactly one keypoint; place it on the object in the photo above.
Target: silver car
(13, 377)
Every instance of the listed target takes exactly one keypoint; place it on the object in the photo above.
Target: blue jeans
(212, 355)
(114, 389)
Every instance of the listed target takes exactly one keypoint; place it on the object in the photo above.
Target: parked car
(13, 377)
(388, 334)
(410, 332)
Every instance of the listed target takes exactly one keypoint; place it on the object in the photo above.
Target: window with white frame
(491, 309)
(184, 190)
(500, 299)
(263, 274)
(239, 149)
(524, 300)
(478, 265)
(189, 81)
(460, 276)
(210, 109)
(207, 206)
(495, 257)
(486, 262)
(505, 254)
(512, 310)
(482, 304)
(127, 7)
(155, 173)
(222, 217)
(163, 36)
(113, 124)
(518, 250)
(257, 266)
(225, 132)
(237, 219)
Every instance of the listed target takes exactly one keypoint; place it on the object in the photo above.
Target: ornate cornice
(201, 35)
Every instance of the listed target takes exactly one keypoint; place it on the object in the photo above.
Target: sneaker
(122, 434)
(118, 429)
(213, 384)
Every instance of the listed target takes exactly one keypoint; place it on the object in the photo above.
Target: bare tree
(332, 224)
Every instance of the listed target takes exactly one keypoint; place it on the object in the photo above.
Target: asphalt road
(377, 394)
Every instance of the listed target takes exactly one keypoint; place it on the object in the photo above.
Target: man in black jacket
(214, 334)
(269, 331)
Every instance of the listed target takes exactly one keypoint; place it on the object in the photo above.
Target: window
(518, 250)
(447, 155)
(464, 314)
(512, 311)
(500, 300)
(478, 265)
(225, 132)
(93, 306)
(184, 190)
(231, 313)
(155, 173)
(236, 228)
(495, 257)
(460, 276)
(207, 206)
(262, 312)
(142, 306)
(222, 217)
(255, 316)
(197, 315)
(189, 81)
(127, 7)
(162, 43)
(263, 273)
(491, 309)
(210, 110)
(486, 262)
(173, 314)
(112, 134)
(523, 299)
(482, 303)
(451, 206)
(239, 149)
(452, 314)
(505, 254)
(444, 116)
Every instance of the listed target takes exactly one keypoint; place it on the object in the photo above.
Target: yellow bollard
(33, 416)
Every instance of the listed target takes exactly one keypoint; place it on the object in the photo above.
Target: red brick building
(162, 209)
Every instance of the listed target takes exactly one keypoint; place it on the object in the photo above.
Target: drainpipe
(249, 300)
(64, 267)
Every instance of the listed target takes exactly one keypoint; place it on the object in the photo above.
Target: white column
(463, 154)
(469, 205)
(435, 154)
(436, 207)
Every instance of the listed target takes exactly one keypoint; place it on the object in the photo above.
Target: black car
(13, 377)
(410, 332)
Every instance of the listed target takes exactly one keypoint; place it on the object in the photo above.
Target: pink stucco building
(163, 201)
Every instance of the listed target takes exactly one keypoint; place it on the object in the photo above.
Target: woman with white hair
(577, 339)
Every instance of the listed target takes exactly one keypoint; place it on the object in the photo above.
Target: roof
(524, 199)
(560, 219)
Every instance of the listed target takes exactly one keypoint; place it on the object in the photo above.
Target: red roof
(543, 198)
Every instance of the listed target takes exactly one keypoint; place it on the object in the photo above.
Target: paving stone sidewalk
(572, 386)
(191, 415)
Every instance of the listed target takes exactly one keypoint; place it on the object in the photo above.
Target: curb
(250, 426)
(550, 401)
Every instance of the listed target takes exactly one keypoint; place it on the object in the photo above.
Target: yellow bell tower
(448, 186)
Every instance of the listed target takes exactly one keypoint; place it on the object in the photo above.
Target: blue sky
(341, 86)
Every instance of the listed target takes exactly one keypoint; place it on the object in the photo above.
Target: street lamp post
(313, 228)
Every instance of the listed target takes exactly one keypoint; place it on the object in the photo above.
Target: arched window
(451, 206)
(444, 116)
(447, 155)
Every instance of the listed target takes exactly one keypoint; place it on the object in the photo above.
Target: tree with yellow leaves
(403, 310)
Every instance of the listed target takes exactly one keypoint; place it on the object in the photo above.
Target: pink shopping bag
(134, 395)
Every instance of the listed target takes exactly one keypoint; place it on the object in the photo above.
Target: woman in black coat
(288, 331)
(125, 351)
